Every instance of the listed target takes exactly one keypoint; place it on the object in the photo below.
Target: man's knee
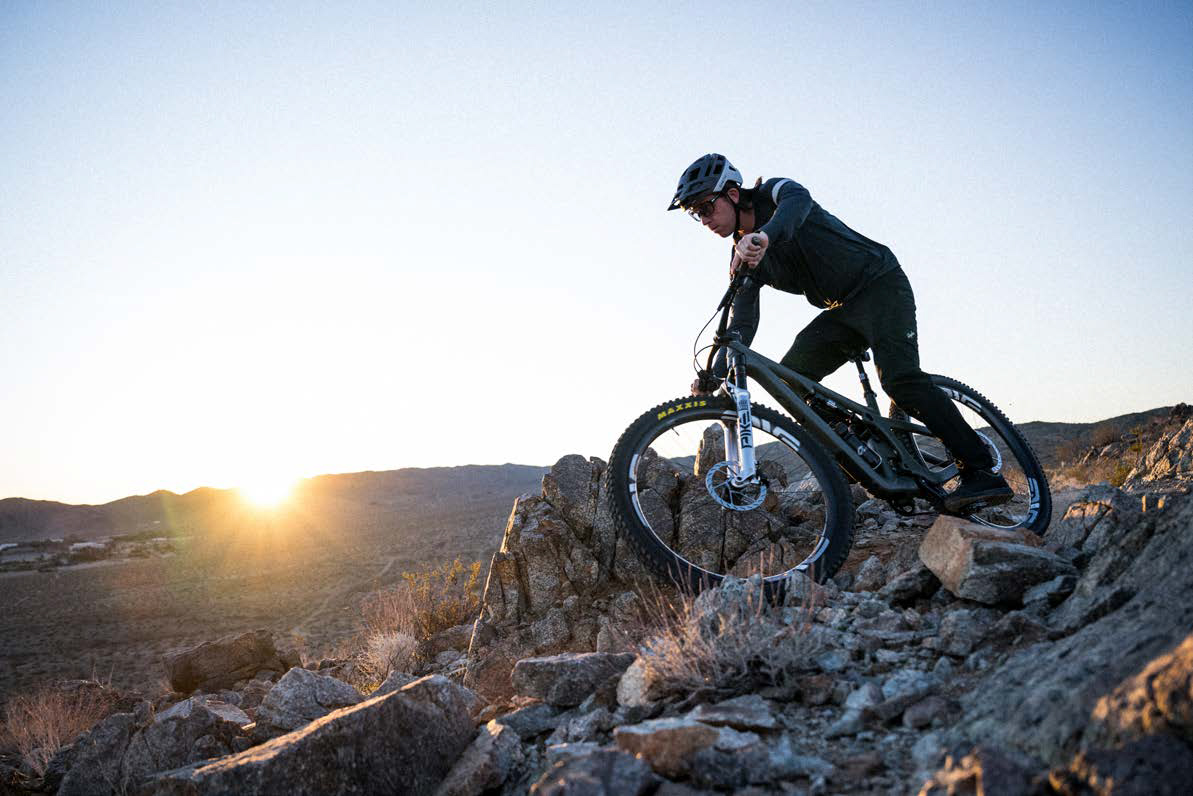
(908, 389)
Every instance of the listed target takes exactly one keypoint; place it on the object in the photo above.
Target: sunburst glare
(267, 491)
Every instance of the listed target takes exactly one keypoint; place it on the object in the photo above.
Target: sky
(249, 243)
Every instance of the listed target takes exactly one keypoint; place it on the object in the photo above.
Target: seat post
(871, 396)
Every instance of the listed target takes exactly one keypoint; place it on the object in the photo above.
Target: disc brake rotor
(730, 496)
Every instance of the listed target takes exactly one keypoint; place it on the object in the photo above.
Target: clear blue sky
(239, 244)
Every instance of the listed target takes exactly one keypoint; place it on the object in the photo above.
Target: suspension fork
(739, 434)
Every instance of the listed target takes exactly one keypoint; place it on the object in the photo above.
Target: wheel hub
(746, 496)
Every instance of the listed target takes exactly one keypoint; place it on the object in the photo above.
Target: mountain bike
(706, 486)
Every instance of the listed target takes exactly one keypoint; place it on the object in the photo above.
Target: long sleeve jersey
(811, 252)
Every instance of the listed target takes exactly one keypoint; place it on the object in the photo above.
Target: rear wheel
(1031, 506)
(674, 497)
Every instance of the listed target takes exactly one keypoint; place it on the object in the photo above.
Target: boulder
(1045, 596)
(1159, 699)
(960, 632)
(639, 685)
(749, 712)
(408, 738)
(985, 770)
(93, 763)
(186, 733)
(605, 772)
(485, 764)
(923, 713)
(669, 744)
(904, 682)
(585, 727)
(531, 720)
(988, 565)
(214, 665)
(910, 586)
(743, 757)
(300, 697)
(871, 576)
(1156, 765)
(565, 680)
(719, 757)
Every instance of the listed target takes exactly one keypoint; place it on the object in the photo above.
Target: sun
(267, 492)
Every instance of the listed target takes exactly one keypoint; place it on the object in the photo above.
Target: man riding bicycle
(791, 243)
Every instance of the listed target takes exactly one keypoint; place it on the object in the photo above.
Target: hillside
(221, 566)
(387, 496)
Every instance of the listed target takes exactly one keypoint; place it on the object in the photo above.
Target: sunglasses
(704, 209)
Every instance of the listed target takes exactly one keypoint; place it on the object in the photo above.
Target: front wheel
(1031, 506)
(674, 496)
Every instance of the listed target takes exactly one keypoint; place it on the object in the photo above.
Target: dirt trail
(300, 629)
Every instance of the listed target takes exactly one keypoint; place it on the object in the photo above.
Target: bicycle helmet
(708, 174)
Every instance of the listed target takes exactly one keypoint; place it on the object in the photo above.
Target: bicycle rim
(1014, 460)
(683, 492)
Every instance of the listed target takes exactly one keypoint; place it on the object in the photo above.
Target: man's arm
(792, 205)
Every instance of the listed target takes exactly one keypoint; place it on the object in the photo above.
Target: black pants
(882, 318)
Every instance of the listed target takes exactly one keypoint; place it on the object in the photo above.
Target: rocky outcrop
(562, 578)
(125, 749)
(214, 665)
(406, 740)
(1041, 700)
(1171, 457)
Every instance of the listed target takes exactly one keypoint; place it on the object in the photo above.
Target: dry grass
(42, 722)
(386, 652)
(730, 641)
(425, 603)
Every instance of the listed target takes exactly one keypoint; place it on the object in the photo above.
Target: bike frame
(902, 479)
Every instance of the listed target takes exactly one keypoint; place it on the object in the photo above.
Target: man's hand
(750, 248)
(705, 383)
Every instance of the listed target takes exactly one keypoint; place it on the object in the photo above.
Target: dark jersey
(811, 252)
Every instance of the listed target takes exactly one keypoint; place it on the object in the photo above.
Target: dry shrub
(386, 652)
(729, 640)
(389, 611)
(443, 597)
(423, 604)
(426, 602)
(44, 721)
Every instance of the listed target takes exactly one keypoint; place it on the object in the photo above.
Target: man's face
(716, 212)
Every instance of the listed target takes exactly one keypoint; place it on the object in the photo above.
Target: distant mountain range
(328, 500)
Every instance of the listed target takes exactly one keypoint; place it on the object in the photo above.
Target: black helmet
(707, 175)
